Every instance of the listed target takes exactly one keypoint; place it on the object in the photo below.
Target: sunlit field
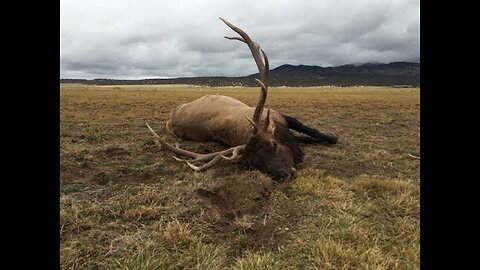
(125, 204)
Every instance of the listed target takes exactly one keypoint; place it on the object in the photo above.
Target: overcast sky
(125, 39)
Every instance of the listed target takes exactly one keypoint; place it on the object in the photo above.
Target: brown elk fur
(215, 118)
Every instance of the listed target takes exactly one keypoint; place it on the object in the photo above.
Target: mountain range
(392, 74)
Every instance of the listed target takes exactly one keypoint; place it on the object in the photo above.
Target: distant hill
(397, 73)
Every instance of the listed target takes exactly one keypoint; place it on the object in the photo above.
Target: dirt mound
(244, 213)
(236, 201)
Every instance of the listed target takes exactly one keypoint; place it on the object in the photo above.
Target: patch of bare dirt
(112, 152)
(244, 213)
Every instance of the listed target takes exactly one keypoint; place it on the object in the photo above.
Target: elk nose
(285, 174)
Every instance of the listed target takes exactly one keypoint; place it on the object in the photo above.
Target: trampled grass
(126, 205)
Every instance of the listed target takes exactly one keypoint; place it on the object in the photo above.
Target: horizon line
(220, 76)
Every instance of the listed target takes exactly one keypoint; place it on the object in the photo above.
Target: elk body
(259, 137)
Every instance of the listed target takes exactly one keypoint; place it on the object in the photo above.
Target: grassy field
(126, 205)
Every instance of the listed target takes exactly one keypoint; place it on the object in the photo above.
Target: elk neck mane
(284, 136)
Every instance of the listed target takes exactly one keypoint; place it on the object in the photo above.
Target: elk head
(266, 153)
(263, 150)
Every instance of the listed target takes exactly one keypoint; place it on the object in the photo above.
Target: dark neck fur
(285, 137)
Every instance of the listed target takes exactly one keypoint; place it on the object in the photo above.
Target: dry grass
(125, 205)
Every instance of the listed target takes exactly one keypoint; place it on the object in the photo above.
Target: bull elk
(266, 145)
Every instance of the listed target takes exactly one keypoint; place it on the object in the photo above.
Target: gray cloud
(151, 39)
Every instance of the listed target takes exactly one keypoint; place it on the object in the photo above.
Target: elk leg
(310, 140)
(316, 136)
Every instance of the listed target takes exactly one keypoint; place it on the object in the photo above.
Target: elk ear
(268, 125)
(270, 129)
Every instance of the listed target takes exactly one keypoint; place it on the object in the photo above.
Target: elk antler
(212, 158)
(263, 67)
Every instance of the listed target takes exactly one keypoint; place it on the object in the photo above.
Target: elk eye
(275, 146)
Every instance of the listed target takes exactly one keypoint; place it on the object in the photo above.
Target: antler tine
(235, 157)
(212, 158)
(235, 38)
(263, 67)
(254, 47)
(163, 145)
(206, 165)
(261, 102)
(254, 125)
(267, 65)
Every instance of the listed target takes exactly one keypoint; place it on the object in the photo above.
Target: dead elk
(267, 145)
